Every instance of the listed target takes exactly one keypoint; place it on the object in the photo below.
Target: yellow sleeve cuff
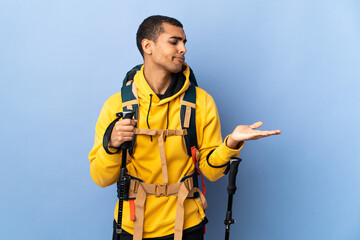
(223, 153)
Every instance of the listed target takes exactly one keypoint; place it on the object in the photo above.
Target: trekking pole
(232, 169)
(123, 176)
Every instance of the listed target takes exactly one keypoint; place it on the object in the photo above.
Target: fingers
(125, 127)
(276, 132)
(123, 131)
(273, 132)
(269, 132)
(261, 134)
(259, 124)
(256, 125)
(126, 122)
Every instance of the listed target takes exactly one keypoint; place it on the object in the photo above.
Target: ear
(147, 46)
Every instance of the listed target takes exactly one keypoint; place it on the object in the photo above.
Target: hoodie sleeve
(211, 140)
(104, 168)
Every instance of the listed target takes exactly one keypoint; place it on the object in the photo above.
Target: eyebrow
(179, 38)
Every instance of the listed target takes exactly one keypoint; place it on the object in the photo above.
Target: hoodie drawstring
(147, 117)
(167, 116)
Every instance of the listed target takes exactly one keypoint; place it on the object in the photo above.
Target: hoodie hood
(144, 90)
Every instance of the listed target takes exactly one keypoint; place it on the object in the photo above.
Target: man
(160, 160)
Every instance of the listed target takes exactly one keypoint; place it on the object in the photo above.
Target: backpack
(189, 97)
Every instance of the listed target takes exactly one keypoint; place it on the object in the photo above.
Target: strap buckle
(160, 190)
(189, 183)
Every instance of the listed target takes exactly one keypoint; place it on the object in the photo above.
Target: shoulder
(200, 91)
(114, 99)
(113, 103)
(205, 105)
(203, 97)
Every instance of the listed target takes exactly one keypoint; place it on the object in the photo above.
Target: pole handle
(127, 115)
(233, 169)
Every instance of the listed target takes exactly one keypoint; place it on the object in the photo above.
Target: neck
(158, 79)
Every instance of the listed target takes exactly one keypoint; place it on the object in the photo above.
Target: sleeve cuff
(224, 153)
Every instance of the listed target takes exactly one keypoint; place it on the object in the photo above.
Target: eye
(173, 42)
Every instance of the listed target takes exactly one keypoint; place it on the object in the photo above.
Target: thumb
(256, 125)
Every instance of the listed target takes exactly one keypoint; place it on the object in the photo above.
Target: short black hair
(151, 28)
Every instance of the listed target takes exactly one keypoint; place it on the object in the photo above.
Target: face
(168, 52)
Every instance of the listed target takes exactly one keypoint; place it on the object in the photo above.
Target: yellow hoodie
(145, 162)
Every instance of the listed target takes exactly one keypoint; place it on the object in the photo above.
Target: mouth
(180, 59)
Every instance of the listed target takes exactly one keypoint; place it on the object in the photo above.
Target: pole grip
(234, 164)
(127, 115)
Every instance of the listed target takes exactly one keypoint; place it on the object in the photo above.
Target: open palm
(248, 132)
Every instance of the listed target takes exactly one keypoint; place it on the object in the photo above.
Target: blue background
(292, 64)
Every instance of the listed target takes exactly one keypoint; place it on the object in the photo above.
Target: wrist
(233, 144)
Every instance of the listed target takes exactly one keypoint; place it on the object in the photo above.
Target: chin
(176, 69)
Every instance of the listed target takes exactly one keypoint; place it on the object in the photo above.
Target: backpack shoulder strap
(130, 74)
(129, 97)
(188, 117)
(192, 77)
(188, 121)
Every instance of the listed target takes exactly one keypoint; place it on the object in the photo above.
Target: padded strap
(188, 117)
(130, 74)
(130, 102)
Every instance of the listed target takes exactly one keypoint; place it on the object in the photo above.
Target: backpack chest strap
(165, 132)
(161, 133)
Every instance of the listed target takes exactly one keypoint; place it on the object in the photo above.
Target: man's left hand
(248, 132)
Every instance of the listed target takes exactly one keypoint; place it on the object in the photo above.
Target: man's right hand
(123, 131)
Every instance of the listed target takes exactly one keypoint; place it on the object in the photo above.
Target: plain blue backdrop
(295, 65)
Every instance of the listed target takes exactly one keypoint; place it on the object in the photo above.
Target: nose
(182, 48)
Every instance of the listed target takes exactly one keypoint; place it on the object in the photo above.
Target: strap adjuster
(160, 190)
